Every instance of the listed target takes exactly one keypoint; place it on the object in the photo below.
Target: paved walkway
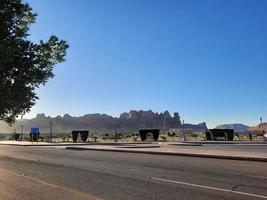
(254, 151)
(257, 153)
(27, 143)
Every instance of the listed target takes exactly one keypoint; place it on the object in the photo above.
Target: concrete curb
(243, 158)
(228, 142)
(74, 144)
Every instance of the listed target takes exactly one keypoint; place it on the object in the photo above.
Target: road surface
(56, 173)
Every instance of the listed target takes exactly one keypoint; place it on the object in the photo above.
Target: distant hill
(128, 121)
(236, 127)
(259, 128)
(201, 127)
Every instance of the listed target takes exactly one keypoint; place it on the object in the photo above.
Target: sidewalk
(255, 151)
(181, 150)
(29, 143)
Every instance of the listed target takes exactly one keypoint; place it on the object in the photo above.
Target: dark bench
(143, 133)
(84, 135)
(214, 134)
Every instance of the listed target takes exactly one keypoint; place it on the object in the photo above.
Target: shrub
(134, 138)
(94, 137)
(194, 135)
(16, 136)
(164, 138)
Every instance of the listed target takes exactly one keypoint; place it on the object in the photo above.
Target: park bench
(144, 133)
(217, 134)
(84, 135)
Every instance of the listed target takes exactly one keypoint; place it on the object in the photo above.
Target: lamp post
(50, 135)
(184, 132)
(262, 131)
(116, 131)
(21, 128)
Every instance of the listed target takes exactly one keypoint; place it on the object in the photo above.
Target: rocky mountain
(128, 121)
(201, 127)
(258, 128)
(236, 127)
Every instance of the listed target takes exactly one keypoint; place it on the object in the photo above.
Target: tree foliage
(24, 65)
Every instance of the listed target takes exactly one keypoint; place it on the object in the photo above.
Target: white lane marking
(211, 188)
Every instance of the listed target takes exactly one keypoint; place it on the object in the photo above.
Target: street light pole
(184, 132)
(262, 131)
(116, 125)
(50, 135)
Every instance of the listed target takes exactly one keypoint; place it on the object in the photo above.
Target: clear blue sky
(205, 59)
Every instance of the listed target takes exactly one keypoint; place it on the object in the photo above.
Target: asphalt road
(55, 173)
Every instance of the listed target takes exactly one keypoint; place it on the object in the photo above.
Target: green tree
(24, 65)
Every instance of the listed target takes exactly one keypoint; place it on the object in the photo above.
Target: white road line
(210, 188)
